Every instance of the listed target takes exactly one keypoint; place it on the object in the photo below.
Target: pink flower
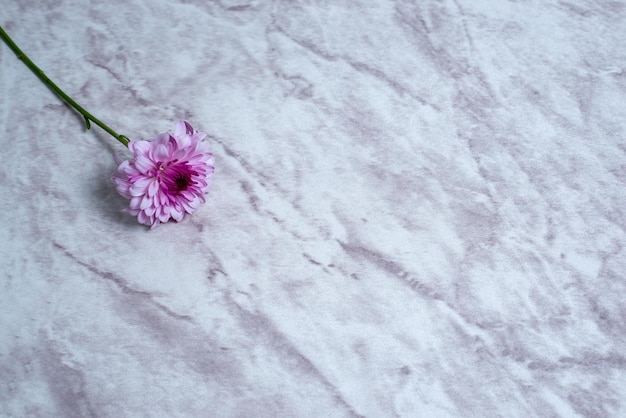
(168, 175)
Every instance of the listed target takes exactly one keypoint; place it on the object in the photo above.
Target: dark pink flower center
(176, 176)
(182, 180)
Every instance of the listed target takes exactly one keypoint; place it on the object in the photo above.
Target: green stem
(42, 76)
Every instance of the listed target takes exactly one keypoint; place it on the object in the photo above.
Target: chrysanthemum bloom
(168, 175)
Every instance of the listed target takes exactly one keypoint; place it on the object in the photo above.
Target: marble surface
(418, 210)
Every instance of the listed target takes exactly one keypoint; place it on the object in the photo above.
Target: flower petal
(153, 188)
(140, 187)
(144, 164)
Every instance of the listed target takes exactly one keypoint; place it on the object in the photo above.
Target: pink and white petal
(177, 214)
(140, 147)
(149, 210)
(183, 142)
(144, 164)
(190, 207)
(160, 139)
(135, 202)
(140, 187)
(122, 186)
(163, 214)
(186, 196)
(161, 153)
(183, 127)
(180, 154)
(163, 198)
(199, 136)
(143, 218)
(146, 202)
(153, 188)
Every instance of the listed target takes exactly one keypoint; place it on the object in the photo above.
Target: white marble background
(418, 210)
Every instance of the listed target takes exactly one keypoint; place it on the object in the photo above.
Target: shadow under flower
(105, 201)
